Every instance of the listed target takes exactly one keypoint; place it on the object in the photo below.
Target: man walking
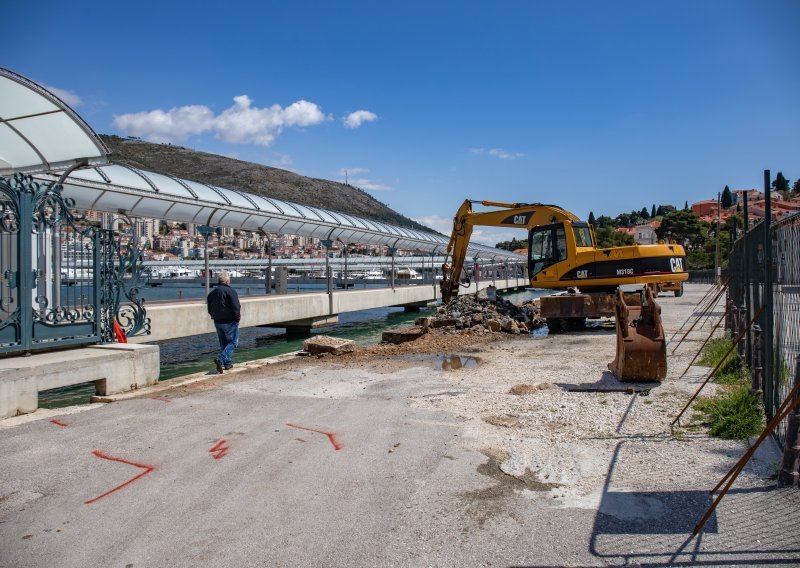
(224, 308)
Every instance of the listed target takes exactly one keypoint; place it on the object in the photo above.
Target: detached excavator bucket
(641, 347)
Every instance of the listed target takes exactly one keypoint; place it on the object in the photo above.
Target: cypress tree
(727, 198)
(591, 218)
(653, 210)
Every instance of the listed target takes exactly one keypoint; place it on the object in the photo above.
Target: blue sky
(600, 106)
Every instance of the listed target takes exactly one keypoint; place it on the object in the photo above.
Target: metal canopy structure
(39, 132)
(136, 193)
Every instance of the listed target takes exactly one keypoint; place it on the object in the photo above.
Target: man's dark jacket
(223, 304)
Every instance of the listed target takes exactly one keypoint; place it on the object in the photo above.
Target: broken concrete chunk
(320, 344)
(423, 322)
(443, 322)
(403, 334)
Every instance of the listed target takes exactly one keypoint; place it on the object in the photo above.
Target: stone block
(443, 322)
(321, 344)
(403, 334)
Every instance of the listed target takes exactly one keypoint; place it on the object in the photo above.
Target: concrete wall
(113, 368)
(169, 321)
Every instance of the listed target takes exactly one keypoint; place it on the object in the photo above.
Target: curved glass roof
(39, 132)
(120, 189)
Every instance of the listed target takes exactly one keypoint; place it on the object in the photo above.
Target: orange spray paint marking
(59, 423)
(147, 469)
(161, 398)
(331, 435)
(220, 448)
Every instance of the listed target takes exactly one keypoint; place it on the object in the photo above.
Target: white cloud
(177, 124)
(497, 153)
(482, 235)
(241, 123)
(359, 117)
(68, 97)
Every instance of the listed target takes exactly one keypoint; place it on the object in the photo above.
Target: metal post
(56, 265)
(25, 277)
(717, 265)
(206, 232)
(344, 245)
(97, 277)
(268, 277)
(790, 471)
(748, 303)
(392, 250)
(327, 244)
(757, 369)
(768, 312)
(208, 276)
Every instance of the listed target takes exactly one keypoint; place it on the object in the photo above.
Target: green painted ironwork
(63, 281)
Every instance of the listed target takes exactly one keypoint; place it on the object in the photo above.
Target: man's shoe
(219, 366)
(229, 367)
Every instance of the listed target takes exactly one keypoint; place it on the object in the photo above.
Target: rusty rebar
(711, 374)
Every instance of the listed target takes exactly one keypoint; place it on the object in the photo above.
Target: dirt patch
(523, 389)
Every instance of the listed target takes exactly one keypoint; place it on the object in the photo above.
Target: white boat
(407, 273)
(374, 274)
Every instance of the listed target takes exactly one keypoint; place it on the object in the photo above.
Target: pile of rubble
(473, 315)
(480, 315)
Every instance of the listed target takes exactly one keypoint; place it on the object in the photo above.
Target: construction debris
(403, 334)
(481, 315)
(325, 344)
(477, 316)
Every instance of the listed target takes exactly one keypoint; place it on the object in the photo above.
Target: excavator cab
(556, 243)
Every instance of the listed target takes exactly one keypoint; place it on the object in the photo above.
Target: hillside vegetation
(252, 178)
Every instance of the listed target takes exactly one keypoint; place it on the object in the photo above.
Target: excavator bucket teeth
(641, 347)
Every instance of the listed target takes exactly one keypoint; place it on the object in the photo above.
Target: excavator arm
(516, 215)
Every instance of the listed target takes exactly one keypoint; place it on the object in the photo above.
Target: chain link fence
(769, 278)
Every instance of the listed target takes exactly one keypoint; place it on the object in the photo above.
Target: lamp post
(392, 251)
(327, 244)
(206, 232)
(344, 249)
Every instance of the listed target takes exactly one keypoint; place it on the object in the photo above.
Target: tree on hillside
(796, 186)
(727, 198)
(605, 221)
(780, 183)
(608, 237)
(685, 227)
(591, 218)
(685, 205)
(511, 245)
(663, 210)
(653, 211)
(644, 214)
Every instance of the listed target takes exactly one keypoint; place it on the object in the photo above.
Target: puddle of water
(455, 362)
(448, 362)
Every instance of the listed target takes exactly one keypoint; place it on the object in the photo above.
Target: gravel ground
(615, 453)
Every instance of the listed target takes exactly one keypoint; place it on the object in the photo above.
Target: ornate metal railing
(62, 281)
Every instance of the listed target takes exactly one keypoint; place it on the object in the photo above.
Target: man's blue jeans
(228, 335)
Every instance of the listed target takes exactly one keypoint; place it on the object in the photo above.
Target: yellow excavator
(562, 254)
